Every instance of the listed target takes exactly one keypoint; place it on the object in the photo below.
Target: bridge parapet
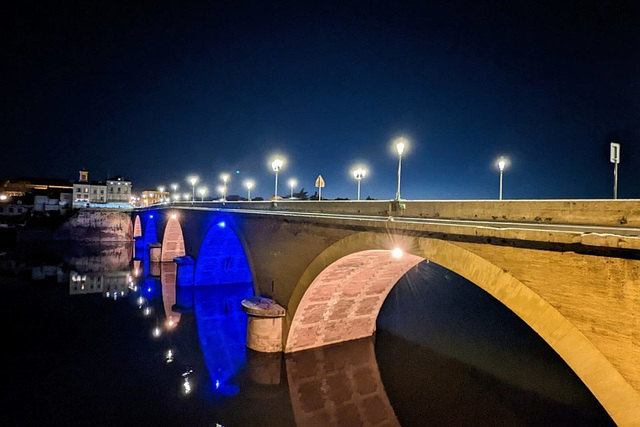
(612, 213)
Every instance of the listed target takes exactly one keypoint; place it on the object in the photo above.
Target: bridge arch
(172, 239)
(137, 227)
(222, 258)
(150, 234)
(325, 309)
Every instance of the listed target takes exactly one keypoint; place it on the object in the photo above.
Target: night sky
(158, 91)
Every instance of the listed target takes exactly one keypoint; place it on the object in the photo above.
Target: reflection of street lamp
(292, 183)
(202, 191)
(225, 178)
(249, 185)
(193, 180)
(358, 174)
(400, 144)
(276, 165)
(502, 164)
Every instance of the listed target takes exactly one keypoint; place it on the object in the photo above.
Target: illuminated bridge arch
(150, 234)
(222, 258)
(340, 294)
(137, 227)
(172, 240)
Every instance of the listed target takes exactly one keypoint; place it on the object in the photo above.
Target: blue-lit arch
(150, 232)
(222, 258)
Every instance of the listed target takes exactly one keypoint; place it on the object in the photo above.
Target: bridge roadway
(570, 269)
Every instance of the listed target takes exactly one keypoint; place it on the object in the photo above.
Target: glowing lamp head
(249, 184)
(397, 253)
(224, 177)
(293, 183)
(401, 145)
(276, 165)
(502, 163)
(359, 173)
(222, 189)
(202, 191)
(174, 187)
(193, 180)
(161, 188)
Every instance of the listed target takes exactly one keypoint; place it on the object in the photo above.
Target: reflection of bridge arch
(325, 308)
(337, 386)
(137, 227)
(168, 273)
(222, 258)
(172, 240)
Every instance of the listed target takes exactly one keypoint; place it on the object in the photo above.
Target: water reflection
(338, 385)
(182, 347)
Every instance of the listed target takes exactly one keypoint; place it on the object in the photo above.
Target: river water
(97, 338)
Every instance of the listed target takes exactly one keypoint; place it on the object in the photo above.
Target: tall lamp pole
(359, 174)
(502, 164)
(193, 181)
(292, 183)
(249, 185)
(225, 178)
(400, 144)
(276, 165)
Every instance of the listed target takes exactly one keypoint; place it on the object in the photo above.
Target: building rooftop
(118, 178)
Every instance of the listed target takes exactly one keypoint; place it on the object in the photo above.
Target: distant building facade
(85, 191)
(118, 190)
(114, 191)
(152, 197)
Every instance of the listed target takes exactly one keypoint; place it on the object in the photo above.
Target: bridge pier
(155, 252)
(185, 272)
(264, 324)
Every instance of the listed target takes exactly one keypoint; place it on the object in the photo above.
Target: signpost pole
(615, 159)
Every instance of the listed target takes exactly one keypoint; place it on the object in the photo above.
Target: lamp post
(174, 189)
(249, 185)
(276, 165)
(225, 178)
(292, 183)
(202, 191)
(502, 165)
(222, 189)
(161, 195)
(193, 180)
(359, 174)
(400, 144)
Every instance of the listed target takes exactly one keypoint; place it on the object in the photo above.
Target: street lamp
(193, 180)
(225, 178)
(502, 164)
(359, 174)
(292, 183)
(202, 191)
(400, 144)
(249, 185)
(186, 196)
(222, 189)
(276, 165)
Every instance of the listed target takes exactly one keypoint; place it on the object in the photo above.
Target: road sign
(320, 181)
(615, 152)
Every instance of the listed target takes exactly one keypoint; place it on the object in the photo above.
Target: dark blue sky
(156, 92)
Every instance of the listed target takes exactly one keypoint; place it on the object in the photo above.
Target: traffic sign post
(615, 159)
(319, 186)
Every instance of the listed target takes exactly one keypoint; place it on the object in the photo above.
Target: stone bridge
(569, 269)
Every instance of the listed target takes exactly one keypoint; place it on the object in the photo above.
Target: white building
(85, 191)
(118, 190)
